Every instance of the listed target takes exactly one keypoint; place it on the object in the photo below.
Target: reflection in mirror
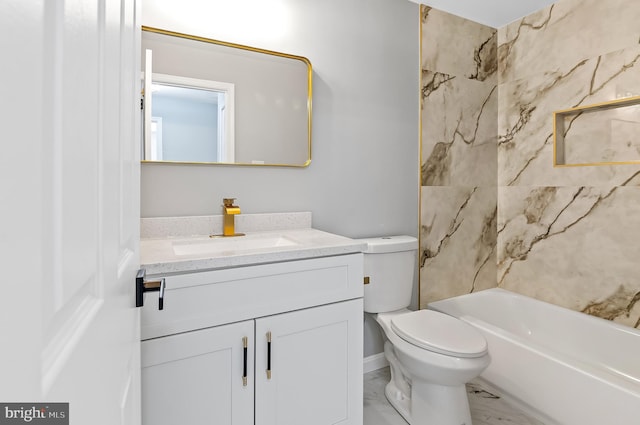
(191, 120)
(217, 102)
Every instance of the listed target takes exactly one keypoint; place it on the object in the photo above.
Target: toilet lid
(440, 333)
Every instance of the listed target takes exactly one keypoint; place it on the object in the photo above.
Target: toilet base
(398, 400)
(418, 387)
(431, 404)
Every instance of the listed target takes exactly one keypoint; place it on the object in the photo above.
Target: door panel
(69, 109)
(74, 293)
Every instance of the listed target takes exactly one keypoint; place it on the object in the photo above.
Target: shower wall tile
(457, 46)
(525, 119)
(565, 34)
(458, 238)
(459, 131)
(459, 156)
(459, 101)
(566, 234)
(572, 246)
(496, 212)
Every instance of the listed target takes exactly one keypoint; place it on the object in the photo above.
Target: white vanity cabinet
(301, 320)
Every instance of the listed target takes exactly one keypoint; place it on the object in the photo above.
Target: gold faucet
(229, 211)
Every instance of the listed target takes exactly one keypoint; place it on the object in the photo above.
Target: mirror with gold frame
(214, 102)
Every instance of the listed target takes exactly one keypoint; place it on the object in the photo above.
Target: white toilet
(432, 355)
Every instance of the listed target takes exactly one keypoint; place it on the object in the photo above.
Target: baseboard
(374, 362)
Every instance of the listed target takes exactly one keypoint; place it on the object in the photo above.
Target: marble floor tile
(486, 408)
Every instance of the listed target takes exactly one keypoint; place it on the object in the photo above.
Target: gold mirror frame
(255, 50)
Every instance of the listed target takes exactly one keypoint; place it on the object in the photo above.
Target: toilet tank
(390, 265)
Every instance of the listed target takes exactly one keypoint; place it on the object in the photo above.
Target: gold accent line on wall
(420, 104)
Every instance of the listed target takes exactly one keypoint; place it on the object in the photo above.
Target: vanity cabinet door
(315, 364)
(196, 377)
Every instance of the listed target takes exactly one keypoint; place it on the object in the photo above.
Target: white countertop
(164, 255)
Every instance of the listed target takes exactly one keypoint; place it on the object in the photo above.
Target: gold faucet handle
(228, 202)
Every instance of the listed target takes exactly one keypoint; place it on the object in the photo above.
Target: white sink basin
(231, 245)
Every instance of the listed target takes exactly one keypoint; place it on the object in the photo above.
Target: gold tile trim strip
(420, 106)
(558, 130)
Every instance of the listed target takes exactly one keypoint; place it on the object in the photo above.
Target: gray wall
(364, 175)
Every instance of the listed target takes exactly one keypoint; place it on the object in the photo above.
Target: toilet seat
(439, 333)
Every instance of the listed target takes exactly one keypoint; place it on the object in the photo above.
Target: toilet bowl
(428, 385)
(431, 355)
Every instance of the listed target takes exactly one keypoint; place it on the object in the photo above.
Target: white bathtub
(562, 366)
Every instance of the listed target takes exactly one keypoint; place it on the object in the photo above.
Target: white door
(69, 207)
(315, 364)
(202, 377)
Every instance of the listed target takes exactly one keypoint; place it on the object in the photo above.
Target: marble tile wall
(459, 156)
(566, 235)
